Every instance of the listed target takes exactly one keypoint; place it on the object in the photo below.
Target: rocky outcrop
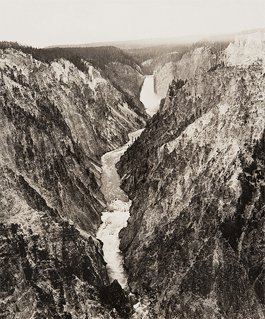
(246, 49)
(56, 121)
(191, 64)
(194, 241)
(163, 76)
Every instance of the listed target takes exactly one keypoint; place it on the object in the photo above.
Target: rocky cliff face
(125, 76)
(163, 76)
(129, 80)
(194, 243)
(191, 64)
(246, 49)
(56, 122)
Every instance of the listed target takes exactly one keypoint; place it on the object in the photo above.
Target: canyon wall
(194, 244)
(190, 65)
(56, 121)
(129, 78)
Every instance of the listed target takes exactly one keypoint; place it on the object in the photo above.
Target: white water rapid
(117, 213)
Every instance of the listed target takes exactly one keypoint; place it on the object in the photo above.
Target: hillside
(56, 122)
(105, 58)
(194, 241)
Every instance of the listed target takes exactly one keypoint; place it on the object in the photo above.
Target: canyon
(133, 195)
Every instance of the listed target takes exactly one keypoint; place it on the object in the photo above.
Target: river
(117, 212)
(118, 204)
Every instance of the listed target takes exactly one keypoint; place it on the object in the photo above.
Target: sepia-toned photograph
(132, 159)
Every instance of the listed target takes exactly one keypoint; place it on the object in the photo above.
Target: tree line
(98, 56)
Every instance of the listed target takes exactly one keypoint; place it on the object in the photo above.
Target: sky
(49, 22)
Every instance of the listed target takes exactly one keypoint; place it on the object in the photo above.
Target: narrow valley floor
(118, 204)
(117, 213)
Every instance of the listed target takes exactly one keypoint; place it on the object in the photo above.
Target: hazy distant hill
(143, 43)
(150, 53)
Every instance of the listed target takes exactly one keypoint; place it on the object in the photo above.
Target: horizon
(142, 42)
(146, 42)
(82, 22)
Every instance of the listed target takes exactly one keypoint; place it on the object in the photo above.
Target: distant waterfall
(148, 96)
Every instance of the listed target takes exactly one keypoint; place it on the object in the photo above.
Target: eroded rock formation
(56, 121)
(190, 65)
(194, 243)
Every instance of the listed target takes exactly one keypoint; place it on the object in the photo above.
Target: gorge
(127, 195)
(118, 203)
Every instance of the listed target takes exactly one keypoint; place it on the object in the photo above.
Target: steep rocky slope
(56, 121)
(194, 243)
(192, 63)
(247, 48)
(119, 68)
(129, 78)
